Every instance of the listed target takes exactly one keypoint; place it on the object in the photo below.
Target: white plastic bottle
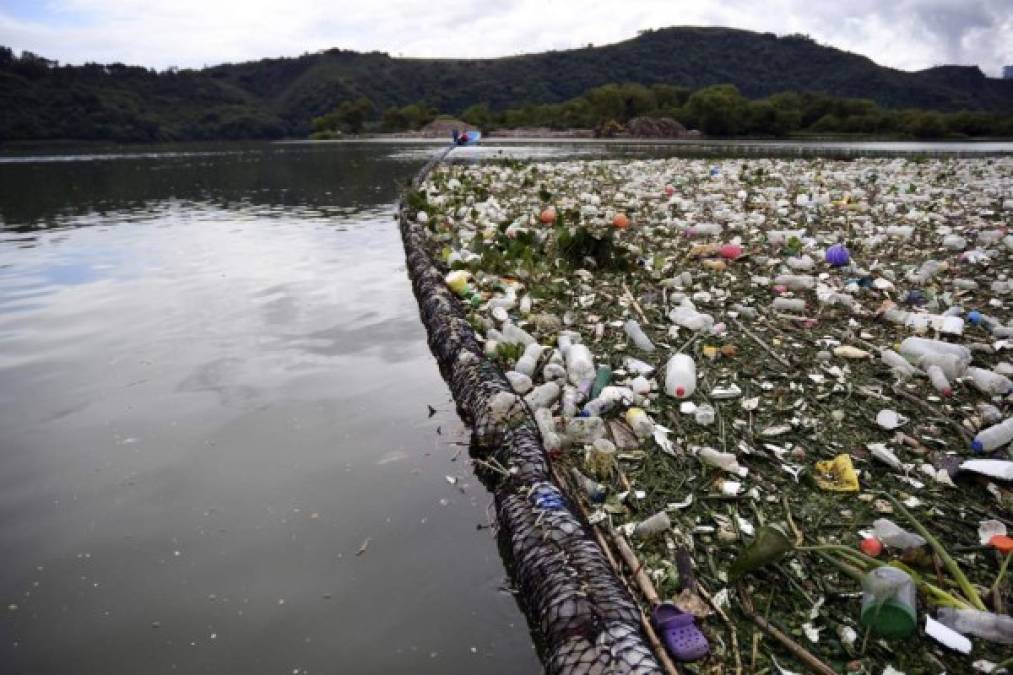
(988, 382)
(637, 335)
(994, 437)
(571, 400)
(680, 376)
(938, 379)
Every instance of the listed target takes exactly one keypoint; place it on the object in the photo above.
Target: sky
(905, 34)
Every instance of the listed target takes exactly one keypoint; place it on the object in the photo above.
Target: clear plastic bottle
(789, 304)
(993, 437)
(988, 382)
(582, 430)
(938, 379)
(680, 376)
(954, 242)
(795, 282)
(900, 231)
(571, 400)
(916, 348)
(519, 382)
(594, 490)
(889, 602)
(515, 335)
(637, 335)
(897, 362)
(640, 422)
(986, 625)
(528, 361)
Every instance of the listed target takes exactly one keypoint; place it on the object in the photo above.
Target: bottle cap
(977, 446)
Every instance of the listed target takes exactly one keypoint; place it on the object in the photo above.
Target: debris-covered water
(796, 371)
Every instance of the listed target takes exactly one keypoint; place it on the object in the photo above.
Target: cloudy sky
(908, 34)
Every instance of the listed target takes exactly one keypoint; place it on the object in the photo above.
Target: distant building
(1007, 73)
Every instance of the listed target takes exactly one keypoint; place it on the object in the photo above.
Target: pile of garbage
(794, 374)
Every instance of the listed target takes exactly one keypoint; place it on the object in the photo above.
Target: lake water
(213, 396)
(216, 451)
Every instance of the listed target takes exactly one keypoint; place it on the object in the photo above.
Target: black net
(585, 617)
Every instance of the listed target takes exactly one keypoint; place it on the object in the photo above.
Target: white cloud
(907, 34)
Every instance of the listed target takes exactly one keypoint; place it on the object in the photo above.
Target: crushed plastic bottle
(795, 282)
(528, 361)
(789, 304)
(609, 399)
(543, 396)
(704, 415)
(895, 536)
(725, 461)
(687, 316)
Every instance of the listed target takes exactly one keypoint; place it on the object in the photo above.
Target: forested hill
(275, 97)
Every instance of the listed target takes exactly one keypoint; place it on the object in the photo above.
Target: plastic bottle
(897, 362)
(789, 304)
(656, 524)
(680, 376)
(938, 379)
(993, 437)
(687, 316)
(640, 422)
(519, 382)
(638, 336)
(579, 364)
(748, 313)
(594, 490)
(528, 361)
(924, 274)
(608, 399)
(795, 282)
(800, 263)
(894, 536)
(543, 396)
(986, 625)
(516, 335)
(951, 366)
(703, 230)
(602, 377)
(988, 382)
(954, 242)
(916, 348)
(889, 602)
(581, 430)
(571, 400)
(900, 231)
(725, 461)
(779, 237)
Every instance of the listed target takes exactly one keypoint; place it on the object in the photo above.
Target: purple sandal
(679, 633)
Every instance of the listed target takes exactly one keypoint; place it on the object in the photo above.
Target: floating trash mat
(774, 394)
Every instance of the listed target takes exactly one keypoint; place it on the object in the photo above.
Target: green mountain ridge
(279, 96)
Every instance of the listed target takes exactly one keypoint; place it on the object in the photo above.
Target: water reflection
(213, 391)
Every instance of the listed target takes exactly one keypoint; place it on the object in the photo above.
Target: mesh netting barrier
(582, 613)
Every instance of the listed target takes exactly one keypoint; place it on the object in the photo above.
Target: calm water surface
(215, 448)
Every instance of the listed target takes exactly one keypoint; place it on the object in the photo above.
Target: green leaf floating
(769, 546)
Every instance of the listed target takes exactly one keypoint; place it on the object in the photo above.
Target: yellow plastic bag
(837, 474)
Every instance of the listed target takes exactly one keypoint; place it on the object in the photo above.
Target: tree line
(719, 110)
